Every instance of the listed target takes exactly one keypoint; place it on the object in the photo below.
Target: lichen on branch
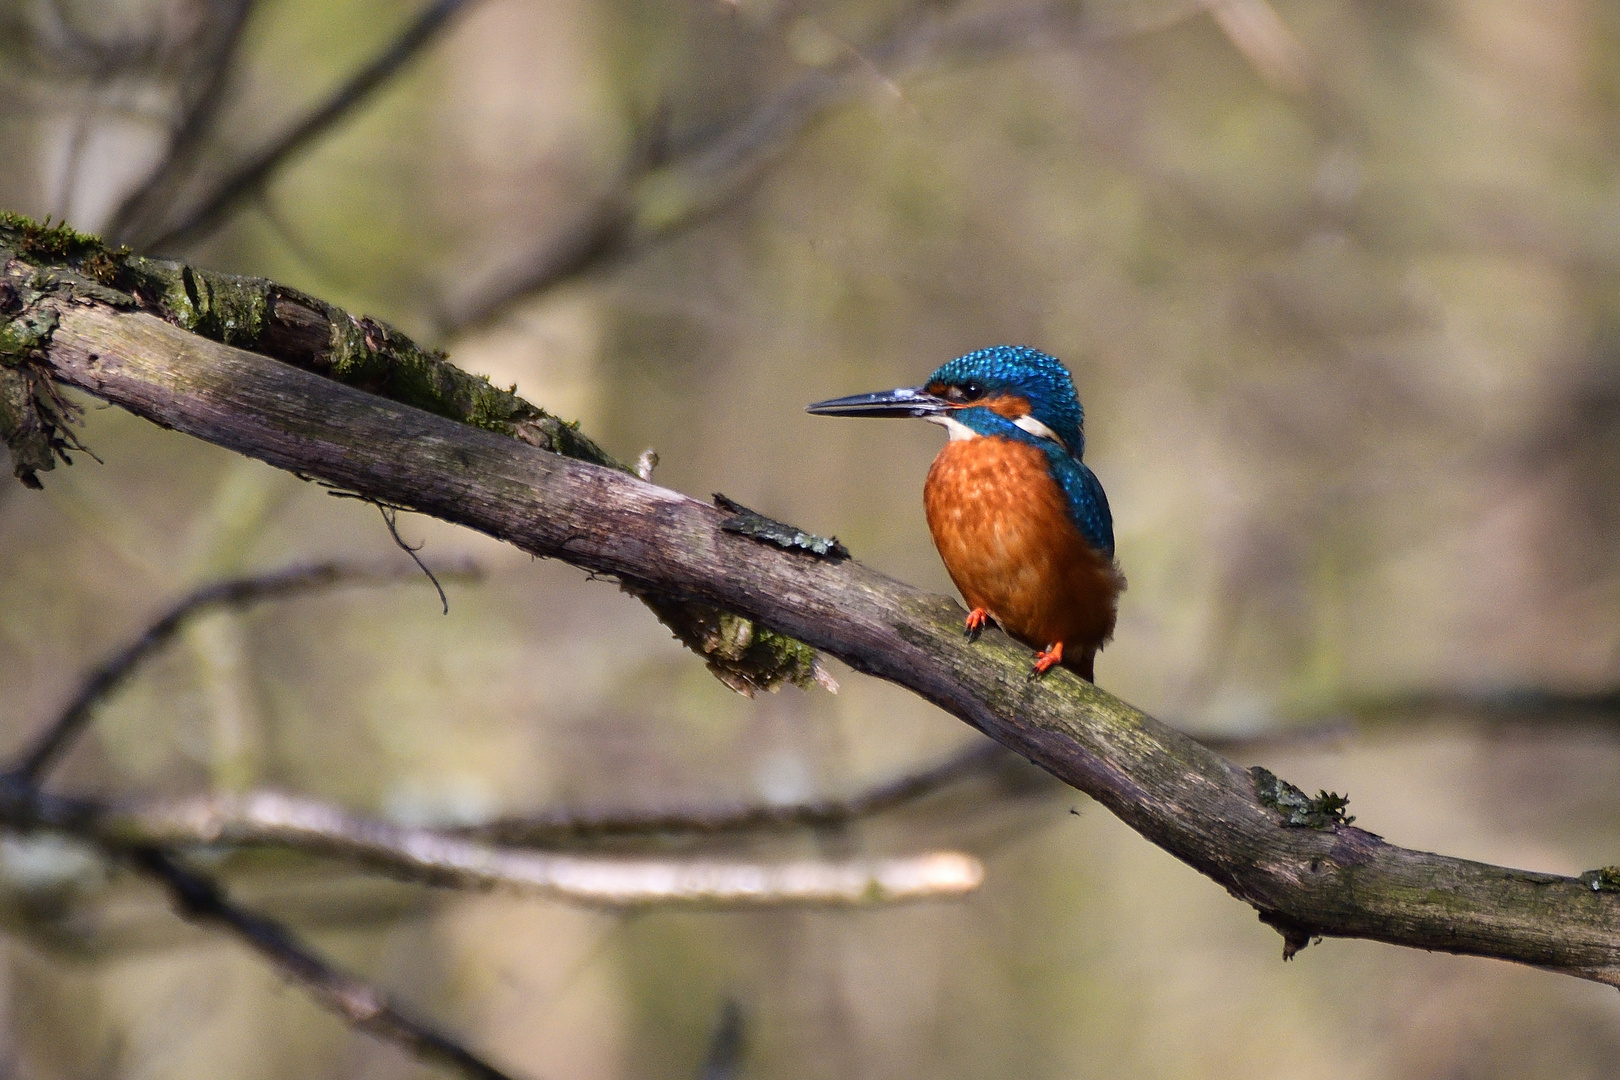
(1324, 812)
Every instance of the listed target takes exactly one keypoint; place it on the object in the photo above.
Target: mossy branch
(1321, 876)
(46, 266)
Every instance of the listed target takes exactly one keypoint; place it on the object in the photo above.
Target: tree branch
(440, 858)
(35, 422)
(1228, 823)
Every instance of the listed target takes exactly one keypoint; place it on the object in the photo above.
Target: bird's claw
(977, 620)
(1047, 659)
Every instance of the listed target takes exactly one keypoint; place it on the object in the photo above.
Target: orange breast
(1002, 527)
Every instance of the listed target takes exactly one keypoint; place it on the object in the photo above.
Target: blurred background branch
(153, 201)
(200, 899)
(58, 736)
(148, 837)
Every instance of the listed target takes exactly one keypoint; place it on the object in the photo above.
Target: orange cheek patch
(1008, 405)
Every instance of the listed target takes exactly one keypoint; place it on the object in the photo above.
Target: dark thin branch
(980, 759)
(390, 516)
(1516, 710)
(200, 899)
(55, 740)
(252, 174)
(147, 201)
(723, 1059)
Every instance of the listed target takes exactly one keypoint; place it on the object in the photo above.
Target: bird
(1020, 521)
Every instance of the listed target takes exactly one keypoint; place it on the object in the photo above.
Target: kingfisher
(1021, 522)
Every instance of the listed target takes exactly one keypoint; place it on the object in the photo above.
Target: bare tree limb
(1231, 824)
(437, 857)
(240, 184)
(55, 740)
(200, 899)
(442, 859)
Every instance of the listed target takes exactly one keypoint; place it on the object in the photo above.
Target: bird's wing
(1088, 503)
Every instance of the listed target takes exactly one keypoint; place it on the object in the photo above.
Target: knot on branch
(1295, 935)
(1324, 811)
(221, 307)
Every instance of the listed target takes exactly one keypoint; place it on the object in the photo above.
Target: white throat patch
(1038, 429)
(959, 431)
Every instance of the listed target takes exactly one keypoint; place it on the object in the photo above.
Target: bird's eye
(964, 392)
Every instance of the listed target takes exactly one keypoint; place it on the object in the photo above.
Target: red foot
(1048, 658)
(977, 620)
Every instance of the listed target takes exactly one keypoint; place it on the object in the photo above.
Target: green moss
(1325, 811)
(29, 424)
(26, 334)
(741, 653)
(41, 242)
(361, 352)
(222, 307)
(23, 428)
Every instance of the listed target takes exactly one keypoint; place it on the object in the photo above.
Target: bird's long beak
(906, 401)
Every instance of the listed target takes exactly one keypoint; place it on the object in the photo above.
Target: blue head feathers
(1018, 371)
(1005, 392)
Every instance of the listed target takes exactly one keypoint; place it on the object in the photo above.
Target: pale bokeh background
(1341, 293)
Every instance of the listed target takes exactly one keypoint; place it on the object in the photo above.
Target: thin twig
(200, 899)
(1259, 33)
(240, 184)
(1516, 710)
(55, 740)
(390, 516)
